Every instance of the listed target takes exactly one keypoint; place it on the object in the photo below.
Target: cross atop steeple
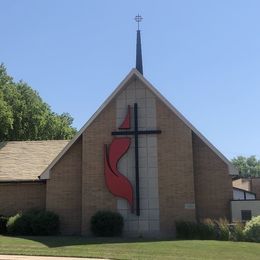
(138, 19)
(139, 61)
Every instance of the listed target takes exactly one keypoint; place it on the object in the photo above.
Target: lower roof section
(26, 160)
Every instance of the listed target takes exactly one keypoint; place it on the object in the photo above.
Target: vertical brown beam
(137, 191)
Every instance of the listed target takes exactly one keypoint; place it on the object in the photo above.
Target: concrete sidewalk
(23, 257)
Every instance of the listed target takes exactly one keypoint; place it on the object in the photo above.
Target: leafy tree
(24, 115)
(247, 166)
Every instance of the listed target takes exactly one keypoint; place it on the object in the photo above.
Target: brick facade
(20, 197)
(213, 184)
(95, 195)
(63, 194)
(175, 164)
(255, 184)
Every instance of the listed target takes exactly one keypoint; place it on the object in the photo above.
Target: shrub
(33, 222)
(252, 230)
(107, 223)
(18, 225)
(3, 222)
(44, 223)
(187, 230)
(236, 232)
(207, 229)
(223, 229)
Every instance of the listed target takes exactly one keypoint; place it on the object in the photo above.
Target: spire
(139, 62)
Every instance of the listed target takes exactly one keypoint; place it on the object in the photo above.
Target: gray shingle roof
(26, 160)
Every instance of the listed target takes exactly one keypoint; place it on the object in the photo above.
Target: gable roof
(133, 74)
(25, 160)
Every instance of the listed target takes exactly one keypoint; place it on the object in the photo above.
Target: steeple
(139, 61)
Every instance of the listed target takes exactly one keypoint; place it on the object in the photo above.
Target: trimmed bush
(252, 230)
(18, 225)
(44, 223)
(3, 222)
(187, 230)
(33, 222)
(107, 224)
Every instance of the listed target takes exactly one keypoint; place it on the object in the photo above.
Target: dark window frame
(246, 215)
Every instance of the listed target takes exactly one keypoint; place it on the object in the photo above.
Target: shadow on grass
(61, 241)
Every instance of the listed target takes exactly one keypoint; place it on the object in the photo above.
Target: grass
(129, 249)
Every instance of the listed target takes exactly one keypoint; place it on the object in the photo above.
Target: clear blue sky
(203, 56)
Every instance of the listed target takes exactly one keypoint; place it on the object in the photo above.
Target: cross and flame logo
(116, 182)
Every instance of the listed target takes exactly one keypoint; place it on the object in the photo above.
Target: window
(246, 215)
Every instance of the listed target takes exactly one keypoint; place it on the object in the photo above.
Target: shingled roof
(26, 160)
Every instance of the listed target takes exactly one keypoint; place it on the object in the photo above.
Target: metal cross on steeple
(138, 19)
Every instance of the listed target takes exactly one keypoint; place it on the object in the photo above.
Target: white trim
(135, 72)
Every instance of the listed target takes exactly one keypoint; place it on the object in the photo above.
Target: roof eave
(20, 181)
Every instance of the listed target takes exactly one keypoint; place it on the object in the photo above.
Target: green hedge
(33, 222)
(107, 223)
(209, 229)
(187, 230)
(3, 222)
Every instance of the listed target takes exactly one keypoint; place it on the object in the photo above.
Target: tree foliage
(24, 115)
(247, 166)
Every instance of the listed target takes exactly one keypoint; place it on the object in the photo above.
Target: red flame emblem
(116, 182)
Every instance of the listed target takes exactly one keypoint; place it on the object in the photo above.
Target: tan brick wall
(64, 189)
(244, 184)
(95, 195)
(175, 169)
(256, 187)
(20, 197)
(213, 184)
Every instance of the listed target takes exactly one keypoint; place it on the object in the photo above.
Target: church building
(137, 155)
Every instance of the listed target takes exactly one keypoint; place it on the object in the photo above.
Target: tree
(24, 115)
(247, 166)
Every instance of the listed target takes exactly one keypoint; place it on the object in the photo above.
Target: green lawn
(128, 249)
